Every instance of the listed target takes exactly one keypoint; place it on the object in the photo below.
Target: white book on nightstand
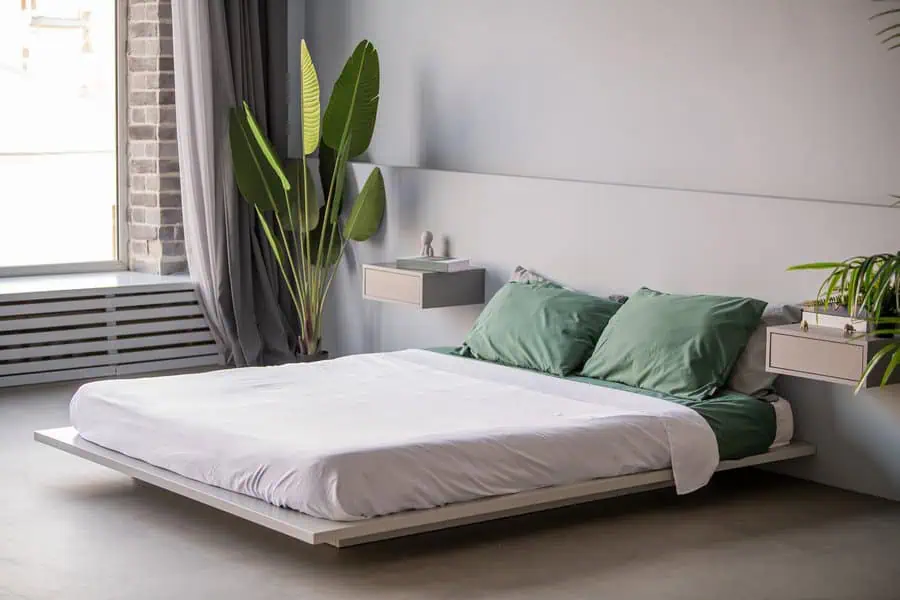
(833, 321)
(441, 264)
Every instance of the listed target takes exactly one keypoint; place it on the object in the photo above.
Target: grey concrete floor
(72, 530)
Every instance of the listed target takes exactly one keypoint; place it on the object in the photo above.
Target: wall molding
(711, 192)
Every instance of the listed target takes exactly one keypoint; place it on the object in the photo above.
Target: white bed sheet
(368, 435)
(784, 422)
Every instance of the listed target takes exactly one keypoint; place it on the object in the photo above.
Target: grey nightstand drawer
(822, 353)
(387, 283)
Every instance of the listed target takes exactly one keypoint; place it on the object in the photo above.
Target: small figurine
(427, 238)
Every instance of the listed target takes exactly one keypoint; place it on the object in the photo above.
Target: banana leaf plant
(308, 235)
(868, 287)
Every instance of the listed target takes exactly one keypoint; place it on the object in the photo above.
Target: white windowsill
(34, 287)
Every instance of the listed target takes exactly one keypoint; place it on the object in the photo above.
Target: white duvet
(375, 434)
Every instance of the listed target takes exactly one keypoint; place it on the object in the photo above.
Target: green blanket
(743, 425)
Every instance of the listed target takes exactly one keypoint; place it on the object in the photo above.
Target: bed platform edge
(340, 534)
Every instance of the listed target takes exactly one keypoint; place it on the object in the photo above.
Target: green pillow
(549, 329)
(683, 346)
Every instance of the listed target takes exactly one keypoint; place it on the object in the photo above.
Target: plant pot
(310, 358)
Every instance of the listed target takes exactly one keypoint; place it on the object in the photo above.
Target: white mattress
(369, 435)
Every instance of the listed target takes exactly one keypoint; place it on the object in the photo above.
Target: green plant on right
(869, 287)
(890, 35)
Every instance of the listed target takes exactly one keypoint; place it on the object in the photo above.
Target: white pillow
(522, 275)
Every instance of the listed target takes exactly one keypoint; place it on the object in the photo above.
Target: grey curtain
(222, 57)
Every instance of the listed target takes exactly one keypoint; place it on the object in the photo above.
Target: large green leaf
(304, 209)
(257, 182)
(265, 146)
(340, 179)
(353, 105)
(331, 241)
(309, 100)
(327, 165)
(368, 210)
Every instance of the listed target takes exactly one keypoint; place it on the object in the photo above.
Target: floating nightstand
(824, 353)
(423, 289)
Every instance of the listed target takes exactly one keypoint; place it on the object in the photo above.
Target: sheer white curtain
(220, 58)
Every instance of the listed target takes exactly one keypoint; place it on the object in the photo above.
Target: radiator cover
(79, 334)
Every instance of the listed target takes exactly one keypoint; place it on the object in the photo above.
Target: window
(59, 158)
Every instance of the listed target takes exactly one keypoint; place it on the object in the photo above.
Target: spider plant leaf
(815, 266)
(897, 284)
(862, 283)
(368, 209)
(888, 28)
(890, 37)
(853, 290)
(895, 360)
(832, 285)
(843, 295)
(353, 105)
(309, 101)
(878, 291)
(884, 13)
(874, 363)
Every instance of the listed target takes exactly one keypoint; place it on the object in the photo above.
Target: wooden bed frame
(339, 534)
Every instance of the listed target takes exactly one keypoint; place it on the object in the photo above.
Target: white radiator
(79, 334)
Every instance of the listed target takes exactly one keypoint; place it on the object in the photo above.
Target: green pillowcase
(549, 329)
(684, 346)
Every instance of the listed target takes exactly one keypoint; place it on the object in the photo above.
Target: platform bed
(340, 534)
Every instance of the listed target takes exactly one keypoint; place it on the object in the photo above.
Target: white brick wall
(154, 198)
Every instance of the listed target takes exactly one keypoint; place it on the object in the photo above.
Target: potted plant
(308, 236)
(868, 287)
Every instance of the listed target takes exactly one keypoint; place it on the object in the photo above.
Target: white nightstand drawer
(824, 353)
(425, 289)
(817, 357)
(393, 286)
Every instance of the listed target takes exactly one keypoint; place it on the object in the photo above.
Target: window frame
(120, 263)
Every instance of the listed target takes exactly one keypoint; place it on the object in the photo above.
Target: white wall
(809, 111)
(791, 98)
